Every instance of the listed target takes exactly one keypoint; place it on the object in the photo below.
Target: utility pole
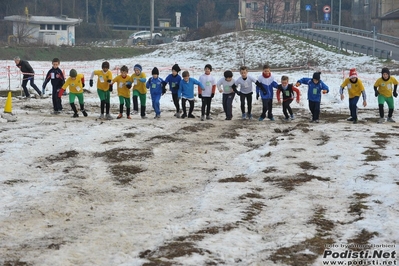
(87, 11)
(339, 27)
(152, 19)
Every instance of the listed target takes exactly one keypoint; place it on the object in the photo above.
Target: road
(362, 41)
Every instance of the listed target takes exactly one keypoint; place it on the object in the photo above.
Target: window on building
(248, 5)
(49, 27)
(42, 26)
(63, 27)
(287, 6)
(255, 6)
(56, 27)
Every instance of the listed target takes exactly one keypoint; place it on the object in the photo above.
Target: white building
(44, 29)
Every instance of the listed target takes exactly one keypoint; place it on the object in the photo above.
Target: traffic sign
(308, 7)
(326, 9)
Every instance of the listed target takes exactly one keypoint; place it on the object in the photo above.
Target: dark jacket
(25, 67)
(56, 76)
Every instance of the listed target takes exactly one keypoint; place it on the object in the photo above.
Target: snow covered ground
(82, 191)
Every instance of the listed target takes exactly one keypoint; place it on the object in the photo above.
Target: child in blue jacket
(264, 88)
(174, 80)
(315, 88)
(186, 93)
(155, 86)
(56, 76)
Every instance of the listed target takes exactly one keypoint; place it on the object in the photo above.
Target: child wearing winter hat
(75, 82)
(186, 93)
(315, 88)
(155, 86)
(173, 80)
(208, 93)
(104, 89)
(384, 88)
(288, 91)
(138, 80)
(225, 86)
(124, 85)
(355, 89)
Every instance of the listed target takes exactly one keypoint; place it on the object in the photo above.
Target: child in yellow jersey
(355, 88)
(384, 88)
(138, 80)
(104, 89)
(124, 85)
(75, 82)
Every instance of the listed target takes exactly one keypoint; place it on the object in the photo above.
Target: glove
(60, 92)
(212, 95)
(260, 85)
(91, 83)
(257, 96)
(163, 90)
(395, 94)
(109, 81)
(111, 88)
(376, 93)
(164, 83)
(83, 84)
(128, 85)
(239, 93)
(234, 87)
(199, 95)
(142, 80)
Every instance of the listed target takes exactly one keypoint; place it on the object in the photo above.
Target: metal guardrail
(295, 29)
(369, 34)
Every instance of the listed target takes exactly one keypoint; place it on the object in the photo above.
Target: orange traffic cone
(8, 106)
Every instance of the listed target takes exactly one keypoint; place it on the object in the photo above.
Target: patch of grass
(16, 263)
(184, 246)
(267, 154)
(269, 170)
(197, 127)
(373, 155)
(129, 135)
(360, 240)
(369, 177)
(253, 210)
(273, 142)
(230, 134)
(324, 139)
(119, 155)
(237, 178)
(251, 196)
(125, 174)
(292, 182)
(298, 255)
(165, 138)
(62, 156)
(358, 205)
(12, 182)
(307, 166)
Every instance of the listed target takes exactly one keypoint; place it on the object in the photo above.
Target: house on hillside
(43, 29)
(266, 11)
(384, 15)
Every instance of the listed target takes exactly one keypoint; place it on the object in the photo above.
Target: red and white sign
(326, 9)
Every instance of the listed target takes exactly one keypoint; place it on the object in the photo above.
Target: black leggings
(247, 97)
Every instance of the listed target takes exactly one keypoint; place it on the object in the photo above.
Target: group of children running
(183, 87)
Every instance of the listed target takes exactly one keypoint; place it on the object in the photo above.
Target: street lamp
(339, 27)
(373, 41)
